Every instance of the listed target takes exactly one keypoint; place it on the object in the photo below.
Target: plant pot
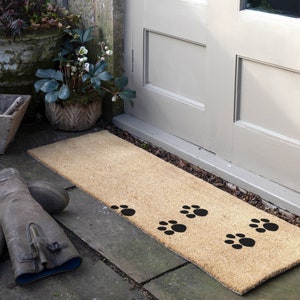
(20, 58)
(9, 124)
(73, 116)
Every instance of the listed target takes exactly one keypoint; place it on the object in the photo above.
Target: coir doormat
(237, 244)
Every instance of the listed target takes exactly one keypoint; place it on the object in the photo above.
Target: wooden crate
(9, 124)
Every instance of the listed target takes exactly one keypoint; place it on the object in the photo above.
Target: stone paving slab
(123, 244)
(30, 169)
(31, 136)
(135, 253)
(190, 283)
(163, 273)
(93, 280)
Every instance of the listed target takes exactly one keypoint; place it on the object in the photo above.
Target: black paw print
(196, 211)
(266, 225)
(242, 241)
(124, 210)
(175, 227)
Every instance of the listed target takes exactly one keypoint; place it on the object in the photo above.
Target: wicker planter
(9, 124)
(75, 116)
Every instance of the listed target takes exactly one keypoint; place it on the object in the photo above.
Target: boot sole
(52, 198)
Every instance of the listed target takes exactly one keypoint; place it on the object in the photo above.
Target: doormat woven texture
(237, 244)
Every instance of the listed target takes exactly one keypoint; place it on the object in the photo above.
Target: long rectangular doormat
(234, 242)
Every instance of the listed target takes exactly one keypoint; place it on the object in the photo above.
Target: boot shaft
(37, 245)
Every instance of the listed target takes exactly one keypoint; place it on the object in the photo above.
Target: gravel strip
(218, 182)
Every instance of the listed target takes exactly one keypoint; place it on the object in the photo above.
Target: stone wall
(107, 16)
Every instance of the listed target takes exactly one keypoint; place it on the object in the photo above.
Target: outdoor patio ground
(119, 261)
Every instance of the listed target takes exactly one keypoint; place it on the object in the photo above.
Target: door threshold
(275, 193)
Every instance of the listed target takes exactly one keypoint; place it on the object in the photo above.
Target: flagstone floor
(119, 261)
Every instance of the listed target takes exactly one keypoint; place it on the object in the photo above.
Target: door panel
(169, 62)
(268, 96)
(219, 77)
(164, 76)
(266, 131)
(185, 19)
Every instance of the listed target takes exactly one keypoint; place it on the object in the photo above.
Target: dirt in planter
(218, 182)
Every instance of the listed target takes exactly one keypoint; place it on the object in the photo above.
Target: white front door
(169, 64)
(225, 79)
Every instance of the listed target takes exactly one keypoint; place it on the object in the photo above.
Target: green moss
(83, 99)
(20, 59)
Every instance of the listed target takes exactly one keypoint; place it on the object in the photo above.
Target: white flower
(109, 52)
(87, 67)
(114, 98)
(82, 59)
(83, 50)
(73, 69)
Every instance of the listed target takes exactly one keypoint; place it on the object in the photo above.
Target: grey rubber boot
(37, 245)
(52, 198)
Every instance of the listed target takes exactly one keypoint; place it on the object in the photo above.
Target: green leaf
(68, 30)
(59, 76)
(38, 84)
(127, 94)
(87, 34)
(45, 73)
(81, 36)
(105, 76)
(91, 69)
(51, 97)
(121, 82)
(85, 77)
(64, 92)
(100, 67)
(60, 57)
(49, 73)
(96, 82)
(78, 33)
(49, 86)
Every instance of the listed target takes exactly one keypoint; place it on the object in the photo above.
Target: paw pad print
(263, 225)
(193, 211)
(170, 227)
(125, 210)
(239, 240)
